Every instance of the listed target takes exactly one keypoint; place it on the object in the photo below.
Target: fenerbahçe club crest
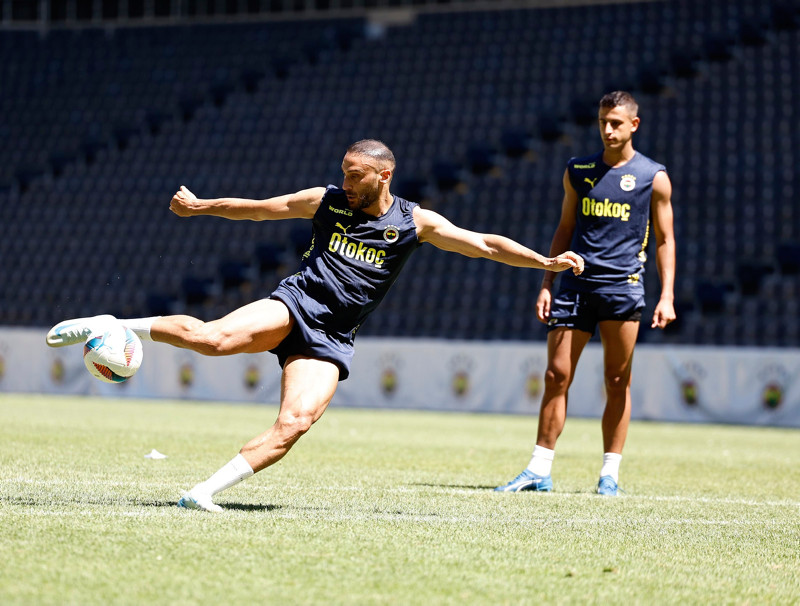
(391, 234)
(627, 182)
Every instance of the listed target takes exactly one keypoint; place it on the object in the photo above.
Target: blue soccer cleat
(607, 486)
(528, 480)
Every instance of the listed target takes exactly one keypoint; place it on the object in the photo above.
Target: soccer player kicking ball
(362, 237)
(610, 199)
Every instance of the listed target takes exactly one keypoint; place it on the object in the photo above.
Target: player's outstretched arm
(299, 205)
(434, 228)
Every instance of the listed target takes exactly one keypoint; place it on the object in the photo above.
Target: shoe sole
(189, 503)
(54, 338)
(537, 489)
(525, 488)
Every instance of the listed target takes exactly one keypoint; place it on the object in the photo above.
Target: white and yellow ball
(113, 353)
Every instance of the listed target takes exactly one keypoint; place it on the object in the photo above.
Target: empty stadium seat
(481, 108)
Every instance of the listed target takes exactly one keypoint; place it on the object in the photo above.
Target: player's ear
(385, 175)
(634, 124)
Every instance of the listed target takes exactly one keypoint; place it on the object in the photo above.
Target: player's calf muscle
(190, 333)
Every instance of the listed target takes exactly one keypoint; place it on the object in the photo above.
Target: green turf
(386, 507)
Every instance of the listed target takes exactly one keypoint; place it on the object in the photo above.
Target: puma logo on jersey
(342, 227)
(591, 182)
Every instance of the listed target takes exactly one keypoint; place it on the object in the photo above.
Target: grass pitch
(387, 507)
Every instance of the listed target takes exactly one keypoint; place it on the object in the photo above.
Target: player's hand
(183, 202)
(663, 314)
(568, 260)
(543, 304)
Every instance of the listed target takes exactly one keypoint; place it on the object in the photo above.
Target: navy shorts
(310, 342)
(583, 310)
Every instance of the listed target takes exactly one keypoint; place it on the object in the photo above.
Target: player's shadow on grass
(49, 502)
(226, 506)
(484, 487)
(458, 486)
(250, 507)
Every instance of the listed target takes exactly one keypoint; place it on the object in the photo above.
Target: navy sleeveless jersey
(612, 224)
(352, 261)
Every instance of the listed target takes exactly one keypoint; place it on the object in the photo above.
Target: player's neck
(618, 157)
(381, 205)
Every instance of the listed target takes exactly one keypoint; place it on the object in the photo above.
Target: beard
(365, 199)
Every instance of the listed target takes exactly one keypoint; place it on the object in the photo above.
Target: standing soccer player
(362, 235)
(610, 199)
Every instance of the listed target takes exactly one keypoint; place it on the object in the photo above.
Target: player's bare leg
(307, 387)
(619, 340)
(564, 348)
(256, 327)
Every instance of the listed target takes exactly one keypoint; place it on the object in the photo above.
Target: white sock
(141, 326)
(611, 461)
(230, 474)
(541, 461)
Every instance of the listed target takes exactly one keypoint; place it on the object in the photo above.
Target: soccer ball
(113, 353)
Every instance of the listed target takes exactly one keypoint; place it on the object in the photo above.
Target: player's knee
(617, 382)
(209, 340)
(294, 424)
(196, 336)
(556, 378)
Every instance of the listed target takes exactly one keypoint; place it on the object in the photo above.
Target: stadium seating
(482, 110)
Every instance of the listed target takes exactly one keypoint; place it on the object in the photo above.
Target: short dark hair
(620, 98)
(374, 149)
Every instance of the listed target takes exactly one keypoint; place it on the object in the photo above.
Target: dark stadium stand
(482, 109)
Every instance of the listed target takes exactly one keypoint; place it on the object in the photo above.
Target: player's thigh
(256, 327)
(564, 348)
(307, 387)
(619, 340)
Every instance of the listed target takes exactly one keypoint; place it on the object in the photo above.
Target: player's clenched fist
(183, 202)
